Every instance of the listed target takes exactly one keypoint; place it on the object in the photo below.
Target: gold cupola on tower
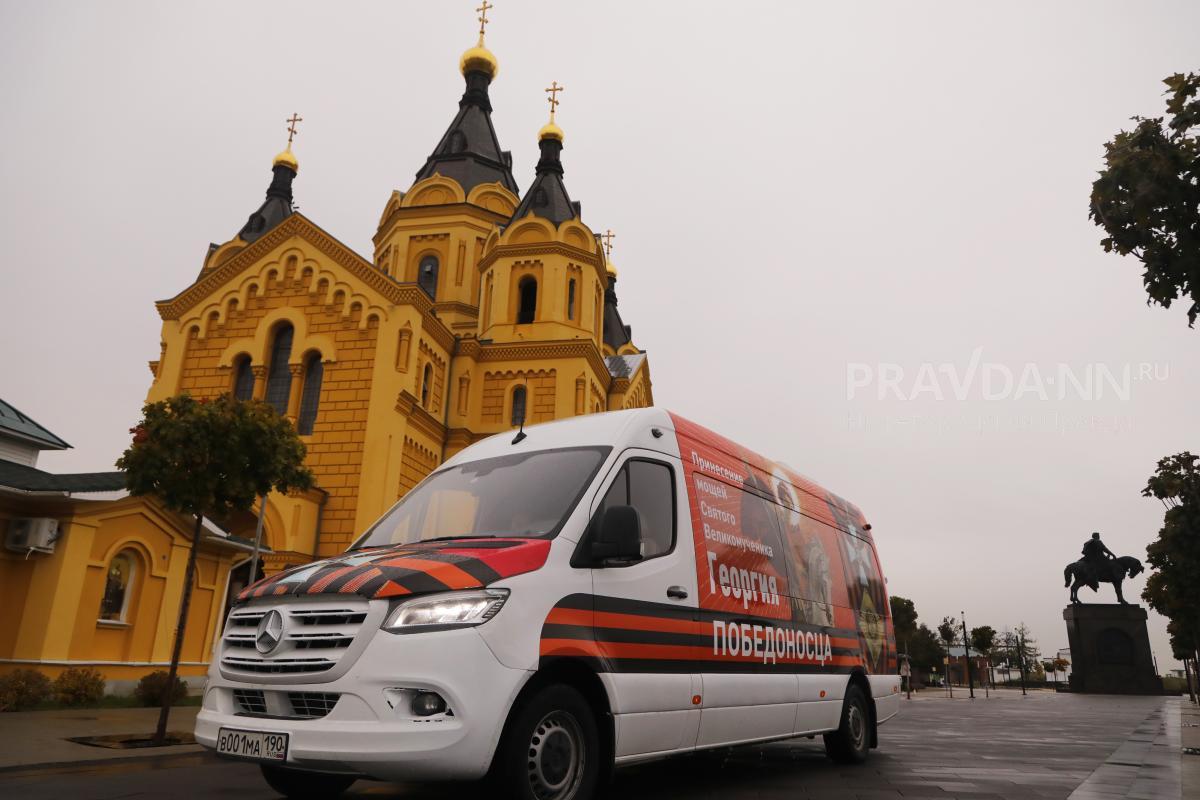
(551, 130)
(609, 266)
(479, 58)
(285, 157)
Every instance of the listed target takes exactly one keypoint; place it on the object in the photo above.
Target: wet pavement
(1004, 748)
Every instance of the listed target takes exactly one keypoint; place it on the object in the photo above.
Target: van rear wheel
(552, 748)
(851, 742)
(296, 783)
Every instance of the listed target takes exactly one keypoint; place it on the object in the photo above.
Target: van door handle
(677, 592)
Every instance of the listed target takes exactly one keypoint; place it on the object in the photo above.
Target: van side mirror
(618, 537)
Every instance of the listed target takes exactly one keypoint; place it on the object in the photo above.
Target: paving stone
(1042, 747)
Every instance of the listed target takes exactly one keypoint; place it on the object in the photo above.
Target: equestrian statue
(1099, 565)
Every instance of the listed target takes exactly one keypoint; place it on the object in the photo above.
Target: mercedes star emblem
(269, 633)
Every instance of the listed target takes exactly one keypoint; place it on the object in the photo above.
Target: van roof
(615, 426)
(588, 429)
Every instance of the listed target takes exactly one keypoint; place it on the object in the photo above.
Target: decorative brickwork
(335, 448)
(416, 462)
(497, 386)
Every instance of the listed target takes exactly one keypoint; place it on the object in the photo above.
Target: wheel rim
(556, 757)
(856, 723)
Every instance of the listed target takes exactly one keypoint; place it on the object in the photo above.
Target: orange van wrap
(396, 570)
(775, 547)
(616, 634)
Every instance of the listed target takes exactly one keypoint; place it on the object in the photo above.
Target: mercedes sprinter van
(607, 589)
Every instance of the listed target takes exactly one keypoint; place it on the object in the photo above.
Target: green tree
(948, 631)
(1027, 650)
(1058, 665)
(1147, 198)
(1172, 588)
(983, 639)
(904, 618)
(209, 458)
(924, 649)
(1183, 648)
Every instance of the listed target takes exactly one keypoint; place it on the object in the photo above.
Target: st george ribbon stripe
(601, 604)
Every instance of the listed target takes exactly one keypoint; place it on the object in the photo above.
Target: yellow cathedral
(481, 306)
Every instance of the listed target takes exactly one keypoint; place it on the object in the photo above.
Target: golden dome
(550, 131)
(611, 268)
(479, 58)
(288, 159)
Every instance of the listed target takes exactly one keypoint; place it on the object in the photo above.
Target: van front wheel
(851, 742)
(300, 784)
(552, 748)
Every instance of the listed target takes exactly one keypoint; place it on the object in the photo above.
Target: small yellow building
(90, 576)
(479, 307)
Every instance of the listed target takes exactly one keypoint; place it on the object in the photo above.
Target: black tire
(851, 742)
(551, 748)
(304, 785)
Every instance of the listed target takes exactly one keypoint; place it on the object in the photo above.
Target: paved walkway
(40, 737)
(1146, 766)
(1190, 735)
(1041, 747)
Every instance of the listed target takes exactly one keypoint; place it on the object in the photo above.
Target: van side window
(648, 486)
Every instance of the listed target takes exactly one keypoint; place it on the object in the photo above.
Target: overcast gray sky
(828, 217)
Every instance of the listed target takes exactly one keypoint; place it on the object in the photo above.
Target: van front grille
(283, 705)
(316, 634)
(312, 704)
(278, 666)
(250, 701)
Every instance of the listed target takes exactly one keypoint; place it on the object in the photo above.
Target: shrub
(152, 688)
(79, 686)
(22, 689)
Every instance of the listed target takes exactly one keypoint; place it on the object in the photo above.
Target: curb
(194, 753)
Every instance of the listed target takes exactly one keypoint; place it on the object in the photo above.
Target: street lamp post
(1021, 661)
(908, 668)
(967, 655)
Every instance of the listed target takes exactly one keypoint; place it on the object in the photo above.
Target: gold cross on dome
(608, 236)
(553, 98)
(291, 121)
(483, 20)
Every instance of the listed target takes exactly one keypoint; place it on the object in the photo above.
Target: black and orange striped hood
(408, 569)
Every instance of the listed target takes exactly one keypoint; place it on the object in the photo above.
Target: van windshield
(524, 494)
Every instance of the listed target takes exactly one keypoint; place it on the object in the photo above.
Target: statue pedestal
(1110, 650)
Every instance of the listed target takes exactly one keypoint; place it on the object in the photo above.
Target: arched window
(518, 406)
(571, 299)
(426, 385)
(279, 377)
(243, 380)
(118, 586)
(427, 276)
(527, 289)
(314, 371)
(487, 303)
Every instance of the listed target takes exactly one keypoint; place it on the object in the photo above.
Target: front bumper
(370, 731)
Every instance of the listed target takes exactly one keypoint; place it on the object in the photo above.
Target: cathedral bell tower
(433, 234)
(543, 275)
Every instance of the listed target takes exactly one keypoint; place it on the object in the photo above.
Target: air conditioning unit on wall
(27, 534)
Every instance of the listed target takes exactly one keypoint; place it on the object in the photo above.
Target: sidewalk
(35, 739)
(963, 693)
(1190, 736)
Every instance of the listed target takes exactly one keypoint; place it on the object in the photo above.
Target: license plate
(259, 745)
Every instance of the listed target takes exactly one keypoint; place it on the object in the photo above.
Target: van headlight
(446, 610)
